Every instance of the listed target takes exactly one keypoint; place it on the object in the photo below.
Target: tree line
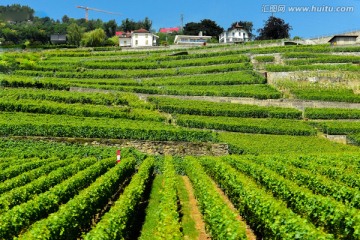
(19, 26)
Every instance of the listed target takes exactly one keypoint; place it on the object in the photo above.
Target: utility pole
(182, 21)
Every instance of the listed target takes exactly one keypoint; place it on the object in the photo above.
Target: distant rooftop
(169, 30)
(343, 36)
(141, 30)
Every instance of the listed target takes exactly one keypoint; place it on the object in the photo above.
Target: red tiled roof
(141, 30)
(123, 34)
(169, 30)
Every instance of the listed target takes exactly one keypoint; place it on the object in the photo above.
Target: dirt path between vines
(249, 233)
(196, 215)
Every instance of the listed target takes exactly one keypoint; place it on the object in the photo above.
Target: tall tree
(207, 26)
(147, 23)
(94, 38)
(192, 28)
(110, 28)
(248, 26)
(211, 28)
(65, 19)
(275, 28)
(16, 13)
(10, 35)
(129, 25)
(74, 34)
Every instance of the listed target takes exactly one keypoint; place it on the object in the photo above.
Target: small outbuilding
(191, 40)
(58, 39)
(125, 39)
(343, 39)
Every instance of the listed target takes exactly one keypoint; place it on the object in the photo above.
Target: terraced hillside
(288, 180)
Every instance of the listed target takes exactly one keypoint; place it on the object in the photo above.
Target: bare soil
(249, 233)
(196, 215)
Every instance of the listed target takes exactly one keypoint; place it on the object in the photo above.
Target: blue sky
(167, 13)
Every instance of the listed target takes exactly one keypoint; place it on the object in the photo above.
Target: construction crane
(94, 9)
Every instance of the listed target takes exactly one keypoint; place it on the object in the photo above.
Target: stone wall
(177, 148)
(338, 138)
(314, 76)
(150, 147)
(290, 103)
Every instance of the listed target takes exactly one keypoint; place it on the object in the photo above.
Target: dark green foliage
(206, 26)
(274, 28)
(125, 207)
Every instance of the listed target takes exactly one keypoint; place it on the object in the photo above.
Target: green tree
(65, 19)
(192, 28)
(274, 28)
(113, 41)
(129, 25)
(207, 26)
(10, 35)
(147, 23)
(16, 13)
(211, 28)
(110, 28)
(95, 38)
(74, 34)
(166, 38)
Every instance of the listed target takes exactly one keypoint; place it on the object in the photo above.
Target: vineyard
(65, 113)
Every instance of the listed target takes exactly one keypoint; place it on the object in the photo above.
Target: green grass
(152, 215)
(188, 223)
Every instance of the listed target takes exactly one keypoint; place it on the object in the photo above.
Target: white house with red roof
(138, 38)
(124, 39)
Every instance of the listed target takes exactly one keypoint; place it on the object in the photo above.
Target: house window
(147, 42)
(124, 42)
(136, 35)
(233, 34)
(146, 35)
(136, 42)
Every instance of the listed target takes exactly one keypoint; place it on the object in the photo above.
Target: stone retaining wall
(150, 147)
(290, 103)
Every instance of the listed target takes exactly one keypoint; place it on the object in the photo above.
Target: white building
(138, 38)
(191, 40)
(235, 35)
(125, 40)
(343, 39)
